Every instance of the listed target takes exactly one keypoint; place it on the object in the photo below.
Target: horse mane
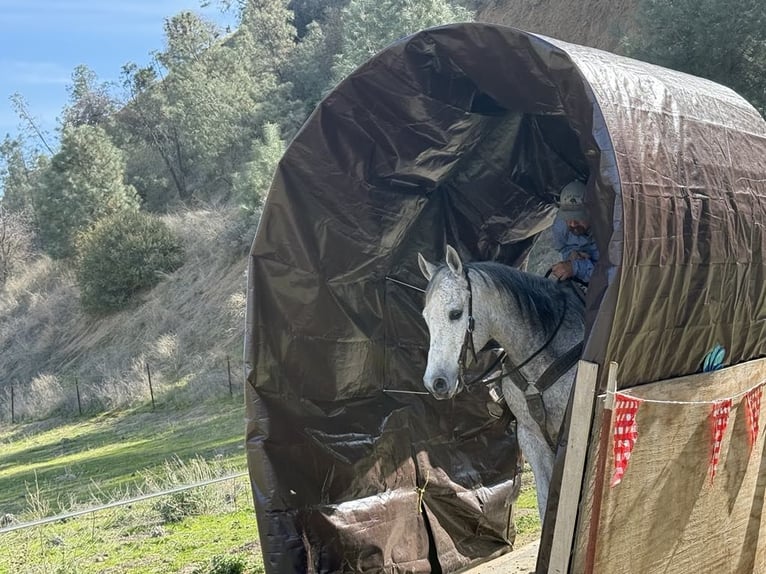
(540, 300)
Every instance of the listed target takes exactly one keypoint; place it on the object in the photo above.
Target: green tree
(84, 182)
(266, 39)
(187, 38)
(268, 25)
(199, 109)
(371, 25)
(317, 11)
(122, 255)
(90, 102)
(156, 159)
(252, 184)
(174, 113)
(214, 101)
(309, 67)
(16, 175)
(722, 40)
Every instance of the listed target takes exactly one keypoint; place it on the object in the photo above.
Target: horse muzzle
(441, 388)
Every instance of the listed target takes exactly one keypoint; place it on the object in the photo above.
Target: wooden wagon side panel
(669, 514)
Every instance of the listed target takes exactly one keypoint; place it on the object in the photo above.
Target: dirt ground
(521, 561)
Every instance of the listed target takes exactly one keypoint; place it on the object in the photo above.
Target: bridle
(532, 391)
(469, 344)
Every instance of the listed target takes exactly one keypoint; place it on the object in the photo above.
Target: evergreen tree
(316, 11)
(84, 182)
(371, 25)
(252, 184)
(16, 176)
(156, 159)
(309, 67)
(266, 39)
(199, 109)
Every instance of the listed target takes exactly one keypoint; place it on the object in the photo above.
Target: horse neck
(507, 324)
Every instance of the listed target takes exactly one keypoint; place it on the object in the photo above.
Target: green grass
(134, 541)
(103, 458)
(526, 516)
(47, 469)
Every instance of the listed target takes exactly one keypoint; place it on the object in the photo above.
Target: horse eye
(455, 315)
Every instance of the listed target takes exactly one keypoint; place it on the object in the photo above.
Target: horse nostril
(440, 385)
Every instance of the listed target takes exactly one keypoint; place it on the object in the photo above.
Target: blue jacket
(566, 242)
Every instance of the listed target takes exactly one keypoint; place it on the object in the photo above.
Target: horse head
(448, 315)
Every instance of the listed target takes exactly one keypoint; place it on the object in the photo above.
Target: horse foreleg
(541, 458)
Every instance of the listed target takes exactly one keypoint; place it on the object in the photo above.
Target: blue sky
(42, 41)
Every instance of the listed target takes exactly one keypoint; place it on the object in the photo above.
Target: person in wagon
(572, 236)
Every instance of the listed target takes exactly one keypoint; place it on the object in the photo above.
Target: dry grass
(183, 329)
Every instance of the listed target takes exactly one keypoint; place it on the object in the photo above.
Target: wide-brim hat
(572, 202)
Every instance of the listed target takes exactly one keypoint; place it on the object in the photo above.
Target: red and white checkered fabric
(719, 415)
(753, 411)
(625, 433)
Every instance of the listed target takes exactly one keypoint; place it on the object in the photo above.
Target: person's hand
(578, 255)
(562, 270)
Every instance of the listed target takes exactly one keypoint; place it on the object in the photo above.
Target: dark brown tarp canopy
(464, 134)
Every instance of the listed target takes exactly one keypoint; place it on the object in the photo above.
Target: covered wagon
(464, 135)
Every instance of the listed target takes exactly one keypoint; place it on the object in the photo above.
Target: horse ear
(426, 268)
(453, 261)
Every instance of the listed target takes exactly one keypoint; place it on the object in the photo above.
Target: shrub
(16, 241)
(238, 236)
(180, 505)
(225, 564)
(122, 255)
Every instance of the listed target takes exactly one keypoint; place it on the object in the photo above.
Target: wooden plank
(574, 464)
(598, 486)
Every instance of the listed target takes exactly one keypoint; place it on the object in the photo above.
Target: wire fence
(127, 502)
(151, 531)
(74, 395)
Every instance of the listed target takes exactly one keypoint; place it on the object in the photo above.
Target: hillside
(565, 20)
(184, 329)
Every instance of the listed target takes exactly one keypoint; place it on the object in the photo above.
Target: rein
(468, 342)
(551, 374)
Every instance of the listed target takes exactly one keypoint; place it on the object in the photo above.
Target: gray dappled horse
(538, 322)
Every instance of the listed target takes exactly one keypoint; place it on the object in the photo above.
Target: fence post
(228, 369)
(13, 415)
(77, 388)
(151, 390)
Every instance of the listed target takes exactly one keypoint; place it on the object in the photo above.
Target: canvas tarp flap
(464, 135)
